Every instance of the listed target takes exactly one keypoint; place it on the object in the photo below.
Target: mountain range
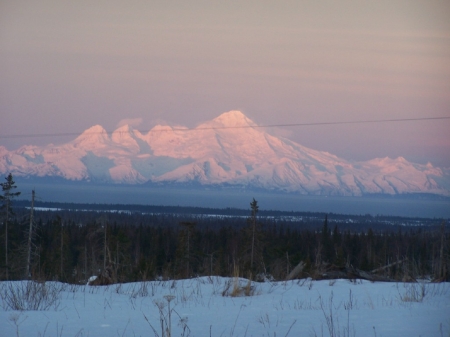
(230, 150)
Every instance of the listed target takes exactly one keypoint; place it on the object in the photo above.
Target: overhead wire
(170, 129)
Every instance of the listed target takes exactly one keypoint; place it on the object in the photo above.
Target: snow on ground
(203, 307)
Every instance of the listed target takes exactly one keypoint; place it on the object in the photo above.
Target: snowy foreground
(204, 307)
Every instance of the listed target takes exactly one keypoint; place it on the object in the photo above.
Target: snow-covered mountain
(228, 150)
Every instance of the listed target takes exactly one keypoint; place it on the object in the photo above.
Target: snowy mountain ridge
(229, 149)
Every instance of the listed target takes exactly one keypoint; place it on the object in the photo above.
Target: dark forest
(70, 246)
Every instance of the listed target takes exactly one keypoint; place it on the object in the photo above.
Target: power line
(64, 134)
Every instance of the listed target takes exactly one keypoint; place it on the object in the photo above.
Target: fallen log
(296, 271)
(348, 272)
(388, 265)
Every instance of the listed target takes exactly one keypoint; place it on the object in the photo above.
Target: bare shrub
(412, 292)
(330, 313)
(234, 287)
(248, 289)
(141, 290)
(165, 319)
(30, 295)
(15, 318)
(236, 291)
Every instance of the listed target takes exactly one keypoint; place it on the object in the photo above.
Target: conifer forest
(73, 245)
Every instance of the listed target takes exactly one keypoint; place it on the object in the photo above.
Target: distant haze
(234, 198)
(65, 66)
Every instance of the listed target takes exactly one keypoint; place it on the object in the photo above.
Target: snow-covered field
(204, 307)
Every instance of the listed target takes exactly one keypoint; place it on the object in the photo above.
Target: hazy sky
(67, 65)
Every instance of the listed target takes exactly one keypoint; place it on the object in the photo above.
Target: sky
(68, 65)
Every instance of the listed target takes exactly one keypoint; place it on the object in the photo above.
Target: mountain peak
(233, 118)
(401, 159)
(98, 129)
(160, 127)
(122, 133)
(94, 135)
(228, 150)
(125, 136)
(124, 128)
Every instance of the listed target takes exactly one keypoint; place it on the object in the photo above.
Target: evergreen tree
(254, 206)
(252, 238)
(326, 242)
(185, 246)
(6, 199)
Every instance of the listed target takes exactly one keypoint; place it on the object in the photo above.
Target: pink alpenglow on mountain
(228, 150)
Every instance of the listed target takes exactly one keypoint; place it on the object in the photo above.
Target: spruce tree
(6, 199)
(254, 206)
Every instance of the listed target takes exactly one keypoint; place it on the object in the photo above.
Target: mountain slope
(229, 149)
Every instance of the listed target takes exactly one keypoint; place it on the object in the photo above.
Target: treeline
(71, 246)
(183, 210)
